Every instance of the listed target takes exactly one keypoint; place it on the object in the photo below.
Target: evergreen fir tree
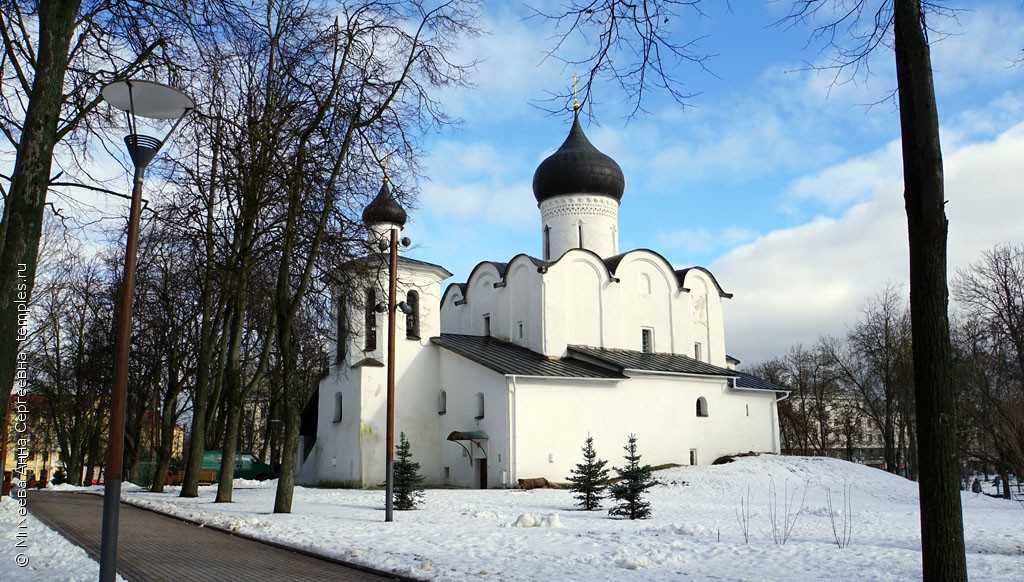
(635, 480)
(408, 492)
(589, 479)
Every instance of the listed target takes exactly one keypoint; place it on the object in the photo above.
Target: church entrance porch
(472, 444)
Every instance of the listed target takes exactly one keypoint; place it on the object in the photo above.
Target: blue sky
(766, 168)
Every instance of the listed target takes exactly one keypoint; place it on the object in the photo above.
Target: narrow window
(341, 348)
(547, 243)
(337, 407)
(693, 456)
(647, 340)
(579, 231)
(447, 474)
(520, 329)
(697, 351)
(748, 410)
(702, 407)
(479, 405)
(370, 325)
(412, 319)
(442, 403)
(487, 325)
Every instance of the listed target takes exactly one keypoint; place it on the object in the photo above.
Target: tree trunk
(942, 534)
(200, 396)
(163, 454)
(25, 202)
(286, 482)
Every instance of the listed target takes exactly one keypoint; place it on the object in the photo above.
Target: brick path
(158, 547)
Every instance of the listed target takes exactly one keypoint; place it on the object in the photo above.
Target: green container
(246, 466)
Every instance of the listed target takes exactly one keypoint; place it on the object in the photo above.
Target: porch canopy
(473, 436)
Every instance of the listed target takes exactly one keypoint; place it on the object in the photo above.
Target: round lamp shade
(147, 99)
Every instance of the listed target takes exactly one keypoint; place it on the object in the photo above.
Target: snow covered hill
(695, 531)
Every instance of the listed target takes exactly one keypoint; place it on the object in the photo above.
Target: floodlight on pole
(152, 101)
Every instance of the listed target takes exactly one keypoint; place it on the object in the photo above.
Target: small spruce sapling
(635, 480)
(589, 479)
(408, 490)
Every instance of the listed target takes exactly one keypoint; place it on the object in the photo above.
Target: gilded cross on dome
(575, 102)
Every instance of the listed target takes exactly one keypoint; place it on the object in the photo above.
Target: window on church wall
(442, 403)
(647, 340)
(748, 410)
(697, 351)
(342, 342)
(487, 325)
(547, 243)
(519, 330)
(370, 323)
(479, 405)
(337, 407)
(412, 319)
(702, 407)
(579, 231)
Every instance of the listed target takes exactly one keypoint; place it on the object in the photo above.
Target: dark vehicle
(246, 466)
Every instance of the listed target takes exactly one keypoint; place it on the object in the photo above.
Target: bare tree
(635, 45)
(990, 349)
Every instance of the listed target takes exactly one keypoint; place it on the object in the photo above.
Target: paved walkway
(158, 547)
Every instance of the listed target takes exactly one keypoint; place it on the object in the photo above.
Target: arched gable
(587, 257)
(683, 274)
(456, 290)
(654, 261)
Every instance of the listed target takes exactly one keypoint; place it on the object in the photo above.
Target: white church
(504, 376)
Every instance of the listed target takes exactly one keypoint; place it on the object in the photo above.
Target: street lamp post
(384, 216)
(154, 101)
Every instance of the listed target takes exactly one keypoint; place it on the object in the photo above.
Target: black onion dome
(384, 208)
(577, 167)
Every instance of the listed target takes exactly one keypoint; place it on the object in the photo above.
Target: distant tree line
(852, 396)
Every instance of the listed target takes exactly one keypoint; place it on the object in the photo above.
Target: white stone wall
(566, 216)
(462, 380)
(553, 418)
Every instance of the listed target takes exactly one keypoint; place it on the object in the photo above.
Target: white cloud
(852, 180)
(794, 284)
(702, 240)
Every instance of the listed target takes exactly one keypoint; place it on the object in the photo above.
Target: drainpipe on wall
(510, 419)
(776, 437)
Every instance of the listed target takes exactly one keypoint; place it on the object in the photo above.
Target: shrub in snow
(408, 481)
(635, 480)
(589, 479)
(782, 520)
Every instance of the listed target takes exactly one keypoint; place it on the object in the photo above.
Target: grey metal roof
(381, 258)
(623, 360)
(650, 362)
(749, 381)
(507, 358)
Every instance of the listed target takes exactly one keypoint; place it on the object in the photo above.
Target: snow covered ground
(694, 531)
(50, 556)
(469, 535)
